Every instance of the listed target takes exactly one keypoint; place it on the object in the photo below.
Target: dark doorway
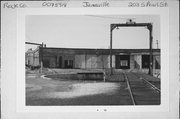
(122, 61)
(60, 62)
(145, 61)
(46, 63)
(68, 63)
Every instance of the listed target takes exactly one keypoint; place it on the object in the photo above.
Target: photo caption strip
(83, 4)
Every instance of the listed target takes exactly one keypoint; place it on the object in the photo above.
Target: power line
(108, 17)
(32, 43)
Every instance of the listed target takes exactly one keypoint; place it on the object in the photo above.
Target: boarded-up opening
(122, 61)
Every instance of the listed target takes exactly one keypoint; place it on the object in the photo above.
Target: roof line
(97, 48)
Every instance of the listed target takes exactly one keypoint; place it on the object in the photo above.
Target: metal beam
(132, 25)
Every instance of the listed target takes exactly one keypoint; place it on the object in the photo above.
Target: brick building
(77, 58)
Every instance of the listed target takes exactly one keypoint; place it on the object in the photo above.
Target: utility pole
(157, 44)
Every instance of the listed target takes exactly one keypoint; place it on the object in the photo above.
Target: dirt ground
(41, 91)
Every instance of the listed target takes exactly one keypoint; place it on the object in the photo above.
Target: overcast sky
(78, 31)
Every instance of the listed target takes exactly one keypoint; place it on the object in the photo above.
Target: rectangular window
(124, 63)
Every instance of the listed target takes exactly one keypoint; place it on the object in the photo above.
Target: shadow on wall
(99, 62)
(136, 65)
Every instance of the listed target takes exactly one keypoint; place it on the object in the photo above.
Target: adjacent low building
(80, 58)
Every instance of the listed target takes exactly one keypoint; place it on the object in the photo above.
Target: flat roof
(95, 51)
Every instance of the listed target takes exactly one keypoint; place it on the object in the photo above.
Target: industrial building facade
(92, 58)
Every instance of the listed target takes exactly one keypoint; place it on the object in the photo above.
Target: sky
(90, 31)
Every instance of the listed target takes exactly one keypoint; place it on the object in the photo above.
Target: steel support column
(133, 24)
(111, 72)
(150, 50)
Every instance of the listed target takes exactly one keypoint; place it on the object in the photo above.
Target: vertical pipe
(111, 50)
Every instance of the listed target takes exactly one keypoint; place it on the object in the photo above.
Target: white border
(164, 35)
